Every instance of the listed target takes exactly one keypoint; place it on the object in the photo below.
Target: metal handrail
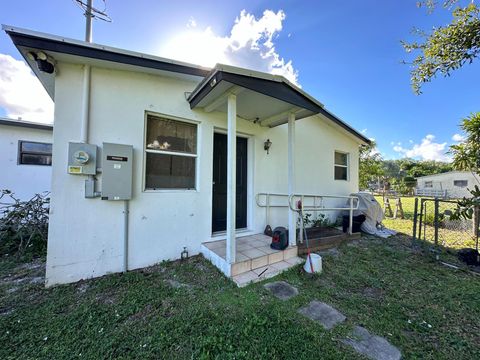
(292, 204)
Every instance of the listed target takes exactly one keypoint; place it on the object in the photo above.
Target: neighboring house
(193, 132)
(25, 157)
(452, 185)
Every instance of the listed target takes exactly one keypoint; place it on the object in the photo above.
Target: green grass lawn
(188, 310)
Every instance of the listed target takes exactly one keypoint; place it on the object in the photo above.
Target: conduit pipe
(125, 235)
(85, 104)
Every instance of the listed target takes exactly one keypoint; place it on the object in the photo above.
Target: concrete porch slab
(253, 253)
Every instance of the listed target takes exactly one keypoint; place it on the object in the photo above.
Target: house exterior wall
(24, 180)
(86, 235)
(445, 181)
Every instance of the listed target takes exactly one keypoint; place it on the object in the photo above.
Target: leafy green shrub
(23, 224)
(321, 220)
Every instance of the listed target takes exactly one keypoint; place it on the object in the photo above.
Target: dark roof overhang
(27, 40)
(275, 87)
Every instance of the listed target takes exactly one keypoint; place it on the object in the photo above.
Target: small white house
(452, 185)
(25, 157)
(155, 156)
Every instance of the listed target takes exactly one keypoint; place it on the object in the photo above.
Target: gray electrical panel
(117, 171)
(82, 159)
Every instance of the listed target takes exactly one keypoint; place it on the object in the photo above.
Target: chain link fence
(433, 223)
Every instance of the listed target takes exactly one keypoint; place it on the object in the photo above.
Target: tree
(445, 48)
(466, 154)
(370, 165)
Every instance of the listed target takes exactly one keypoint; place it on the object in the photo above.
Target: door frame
(250, 176)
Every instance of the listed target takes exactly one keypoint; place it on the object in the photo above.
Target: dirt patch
(330, 252)
(141, 315)
(82, 287)
(107, 299)
(32, 273)
(326, 282)
(201, 267)
(155, 269)
(177, 284)
(372, 293)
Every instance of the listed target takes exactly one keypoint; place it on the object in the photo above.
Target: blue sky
(346, 54)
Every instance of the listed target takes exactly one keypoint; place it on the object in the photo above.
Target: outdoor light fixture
(266, 145)
(44, 62)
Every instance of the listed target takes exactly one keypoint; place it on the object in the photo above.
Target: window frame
(173, 153)
(340, 165)
(428, 184)
(20, 152)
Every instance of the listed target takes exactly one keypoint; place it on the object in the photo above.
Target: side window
(34, 153)
(341, 165)
(460, 183)
(171, 154)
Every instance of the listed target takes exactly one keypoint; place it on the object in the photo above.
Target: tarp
(373, 212)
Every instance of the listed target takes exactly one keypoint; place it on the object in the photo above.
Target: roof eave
(219, 71)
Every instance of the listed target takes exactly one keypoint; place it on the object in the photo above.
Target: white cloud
(250, 44)
(458, 137)
(191, 22)
(364, 131)
(428, 149)
(21, 94)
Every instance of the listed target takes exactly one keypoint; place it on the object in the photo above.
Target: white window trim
(165, 152)
(339, 165)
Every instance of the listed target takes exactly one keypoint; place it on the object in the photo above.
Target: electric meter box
(117, 171)
(82, 159)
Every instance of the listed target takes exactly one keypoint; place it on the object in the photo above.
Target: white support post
(350, 218)
(231, 176)
(292, 231)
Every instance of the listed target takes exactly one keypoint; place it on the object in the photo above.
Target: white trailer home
(154, 156)
(25, 157)
(449, 185)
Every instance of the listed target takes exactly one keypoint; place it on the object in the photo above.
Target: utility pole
(89, 16)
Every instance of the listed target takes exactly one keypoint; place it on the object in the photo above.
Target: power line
(94, 12)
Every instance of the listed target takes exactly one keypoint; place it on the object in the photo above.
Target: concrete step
(265, 272)
(262, 261)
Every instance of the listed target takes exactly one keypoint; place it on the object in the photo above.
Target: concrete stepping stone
(281, 289)
(322, 313)
(372, 346)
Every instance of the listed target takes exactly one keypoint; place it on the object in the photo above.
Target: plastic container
(316, 264)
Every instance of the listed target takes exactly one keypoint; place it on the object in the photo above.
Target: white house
(25, 157)
(196, 163)
(453, 184)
